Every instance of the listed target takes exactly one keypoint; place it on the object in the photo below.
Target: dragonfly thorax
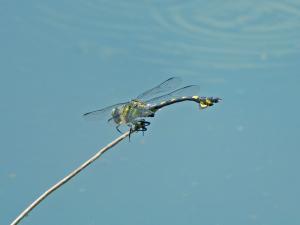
(131, 112)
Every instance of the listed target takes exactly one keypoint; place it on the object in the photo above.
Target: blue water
(234, 163)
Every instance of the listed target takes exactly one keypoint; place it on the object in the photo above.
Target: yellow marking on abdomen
(195, 97)
(208, 101)
(203, 105)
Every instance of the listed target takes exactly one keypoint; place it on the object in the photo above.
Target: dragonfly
(133, 113)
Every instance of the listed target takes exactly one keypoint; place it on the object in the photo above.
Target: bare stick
(67, 178)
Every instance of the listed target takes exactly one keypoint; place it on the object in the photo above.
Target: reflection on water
(219, 34)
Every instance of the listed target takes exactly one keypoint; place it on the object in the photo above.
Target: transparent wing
(101, 114)
(190, 90)
(165, 86)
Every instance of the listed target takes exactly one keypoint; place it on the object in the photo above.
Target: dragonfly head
(115, 113)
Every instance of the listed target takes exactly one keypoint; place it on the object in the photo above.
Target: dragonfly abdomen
(203, 102)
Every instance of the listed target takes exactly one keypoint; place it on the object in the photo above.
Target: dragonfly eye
(115, 112)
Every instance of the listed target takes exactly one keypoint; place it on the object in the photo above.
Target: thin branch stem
(67, 178)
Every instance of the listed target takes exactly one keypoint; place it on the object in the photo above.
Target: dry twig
(67, 178)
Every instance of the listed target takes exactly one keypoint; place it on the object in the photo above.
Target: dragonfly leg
(141, 125)
(130, 131)
(137, 125)
(117, 127)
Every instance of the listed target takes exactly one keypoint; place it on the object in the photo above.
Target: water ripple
(231, 34)
(255, 31)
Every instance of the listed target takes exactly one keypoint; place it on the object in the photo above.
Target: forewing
(164, 87)
(190, 90)
(101, 114)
